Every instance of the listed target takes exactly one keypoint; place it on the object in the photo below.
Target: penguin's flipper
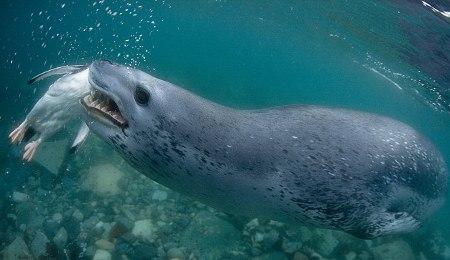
(57, 71)
(80, 138)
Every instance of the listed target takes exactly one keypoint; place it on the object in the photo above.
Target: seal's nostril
(105, 62)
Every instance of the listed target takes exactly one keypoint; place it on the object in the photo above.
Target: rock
(326, 242)
(252, 224)
(364, 255)
(39, 244)
(60, 238)
(258, 237)
(104, 244)
(175, 253)
(209, 236)
(275, 255)
(50, 227)
(57, 217)
(78, 215)
(304, 234)
(17, 250)
(159, 195)
(103, 180)
(101, 254)
(144, 229)
(291, 246)
(350, 255)
(446, 252)
(394, 250)
(19, 196)
(107, 227)
(300, 256)
(120, 228)
(270, 238)
(99, 228)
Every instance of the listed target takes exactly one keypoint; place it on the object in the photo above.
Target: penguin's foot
(30, 150)
(16, 136)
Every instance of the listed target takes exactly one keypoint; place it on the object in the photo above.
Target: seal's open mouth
(103, 107)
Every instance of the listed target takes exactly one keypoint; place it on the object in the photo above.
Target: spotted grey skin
(364, 174)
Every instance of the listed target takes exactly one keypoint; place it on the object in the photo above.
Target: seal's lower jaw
(103, 108)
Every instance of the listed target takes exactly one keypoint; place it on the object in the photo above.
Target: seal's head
(119, 95)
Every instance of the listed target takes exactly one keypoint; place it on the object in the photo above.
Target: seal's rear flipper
(57, 71)
(79, 139)
(18, 134)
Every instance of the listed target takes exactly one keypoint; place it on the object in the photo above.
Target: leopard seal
(364, 174)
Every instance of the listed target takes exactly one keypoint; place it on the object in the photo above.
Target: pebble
(16, 250)
(252, 224)
(144, 229)
(20, 196)
(57, 217)
(60, 238)
(159, 195)
(104, 244)
(394, 250)
(327, 242)
(350, 255)
(175, 253)
(78, 215)
(101, 254)
(39, 244)
(300, 256)
(291, 246)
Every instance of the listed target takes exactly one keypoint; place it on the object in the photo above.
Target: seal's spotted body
(364, 174)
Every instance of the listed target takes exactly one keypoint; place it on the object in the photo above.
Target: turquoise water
(386, 57)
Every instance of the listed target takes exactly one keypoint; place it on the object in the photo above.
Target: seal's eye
(141, 96)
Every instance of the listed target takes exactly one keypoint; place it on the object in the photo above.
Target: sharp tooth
(103, 109)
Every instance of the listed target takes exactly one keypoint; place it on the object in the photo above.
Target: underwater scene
(222, 129)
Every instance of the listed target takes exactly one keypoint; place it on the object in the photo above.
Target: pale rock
(39, 244)
(291, 246)
(20, 197)
(103, 180)
(57, 217)
(144, 229)
(300, 256)
(258, 237)
(304, 233)
(252, 224)
(209, 236)
(17, 250)
(104, 244)
(175, 253)
(350, 255)
(78, 215)
(394, 250)
(159, 195)
(60, 237)
(274, 255)
(327, 242)
(101, 254)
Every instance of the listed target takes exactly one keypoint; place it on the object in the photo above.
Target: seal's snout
(104, 74)
(110, 91)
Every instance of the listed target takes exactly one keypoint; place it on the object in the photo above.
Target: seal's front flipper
(57, 71)
(79, 139)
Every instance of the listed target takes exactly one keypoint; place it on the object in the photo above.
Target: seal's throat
(104, 108)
